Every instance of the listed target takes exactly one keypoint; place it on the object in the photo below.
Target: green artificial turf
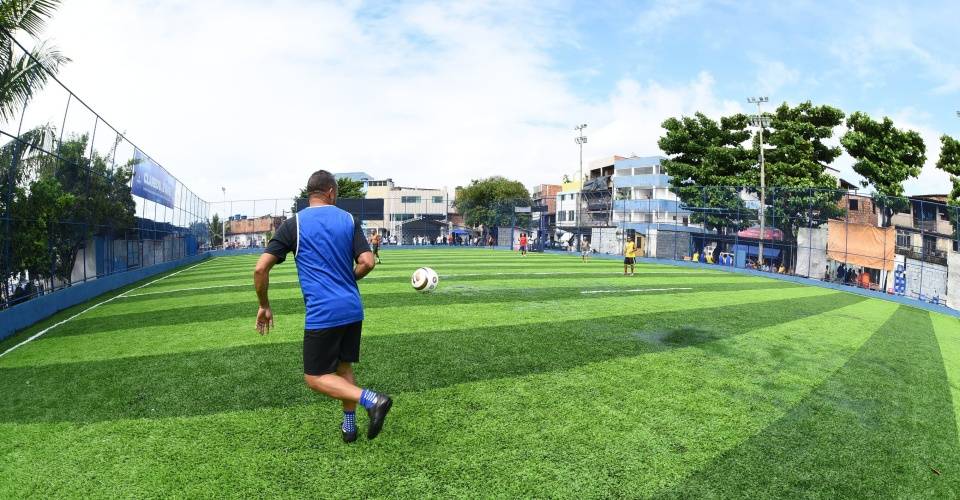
(508, 381)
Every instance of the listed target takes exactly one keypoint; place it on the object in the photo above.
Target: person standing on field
(629, 257)
(331, 255)
(375, 243)
(523, 244)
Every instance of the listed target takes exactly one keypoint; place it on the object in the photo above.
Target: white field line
(111, 299)
(237, 285)
(638, 290)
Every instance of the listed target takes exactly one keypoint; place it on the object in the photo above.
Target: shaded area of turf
(268, 375)
(881, 427)
(217, 311)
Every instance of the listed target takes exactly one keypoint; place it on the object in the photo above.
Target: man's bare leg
(335, 386)
(345, 370)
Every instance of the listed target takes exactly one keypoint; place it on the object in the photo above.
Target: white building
(406, 204)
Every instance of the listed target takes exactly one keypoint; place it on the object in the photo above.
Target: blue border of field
(29, 313)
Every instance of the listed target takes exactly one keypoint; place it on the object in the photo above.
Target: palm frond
(29, 16)
(26, 74)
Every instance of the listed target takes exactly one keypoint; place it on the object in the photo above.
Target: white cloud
(255, 97)
(655, 19)
(773, 75)
(881, 38)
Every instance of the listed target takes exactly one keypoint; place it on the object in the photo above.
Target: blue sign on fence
(152, 182)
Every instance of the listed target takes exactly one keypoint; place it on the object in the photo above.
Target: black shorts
(628, 261)
(523, 248)
(326, 348)
(376, 249)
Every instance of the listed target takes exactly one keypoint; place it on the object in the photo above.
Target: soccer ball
(424, 280)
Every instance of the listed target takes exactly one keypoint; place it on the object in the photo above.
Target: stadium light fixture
(760, 121)
(581, 140)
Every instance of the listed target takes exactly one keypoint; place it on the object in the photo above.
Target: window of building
(624, 171)
(400, 217)
(438, 199)
(409, 199)
(929, 244)
(643, 171)
(904, 239)
(562, 216)
(686, 222)
(854, 205)
(571, 214)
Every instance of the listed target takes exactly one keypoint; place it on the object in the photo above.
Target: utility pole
(761, 121)
(581, 140)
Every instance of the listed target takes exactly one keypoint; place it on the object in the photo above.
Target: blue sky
(436, 94)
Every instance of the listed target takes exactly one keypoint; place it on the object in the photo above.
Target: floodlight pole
(763, 177)
(223, 223)
(581, 140)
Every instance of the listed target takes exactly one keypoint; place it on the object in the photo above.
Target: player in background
(331, 254)
(523, 244)
(375, 240)
(585, 250)
(629, 257)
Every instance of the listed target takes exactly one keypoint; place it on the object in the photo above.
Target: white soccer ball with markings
(424, 280)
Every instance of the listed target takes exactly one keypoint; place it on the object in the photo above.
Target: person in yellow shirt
(629, 257)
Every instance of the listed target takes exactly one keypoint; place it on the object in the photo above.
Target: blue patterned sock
(350, 421)
(367, 397)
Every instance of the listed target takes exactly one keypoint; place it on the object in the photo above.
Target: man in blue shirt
(331, 254)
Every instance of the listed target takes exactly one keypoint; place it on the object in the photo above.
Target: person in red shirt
(523, 244)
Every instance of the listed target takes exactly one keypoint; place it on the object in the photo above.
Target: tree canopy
(949, 162)
(885, 155)
(60, 201)
(491, 201)
(704, 152)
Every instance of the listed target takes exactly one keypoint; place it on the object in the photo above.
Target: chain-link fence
(79, 200)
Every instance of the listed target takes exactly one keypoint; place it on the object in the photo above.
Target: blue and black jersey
(325, 242)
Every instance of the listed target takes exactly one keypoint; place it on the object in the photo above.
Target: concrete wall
(672, 243)
(953, 280)
(926, 278)
(812, 253)
(604, 240)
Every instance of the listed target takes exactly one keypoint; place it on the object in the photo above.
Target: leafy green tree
(60, 201)
(708, 163)
(38, 213)
(885, 157)
(491, 202)
(23, 74)
(949, 162)
(216, 231)
(802, 193)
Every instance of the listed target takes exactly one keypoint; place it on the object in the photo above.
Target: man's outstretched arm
(365, 263)
(261, 281)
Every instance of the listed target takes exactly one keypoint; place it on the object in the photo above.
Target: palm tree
(23, 73)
